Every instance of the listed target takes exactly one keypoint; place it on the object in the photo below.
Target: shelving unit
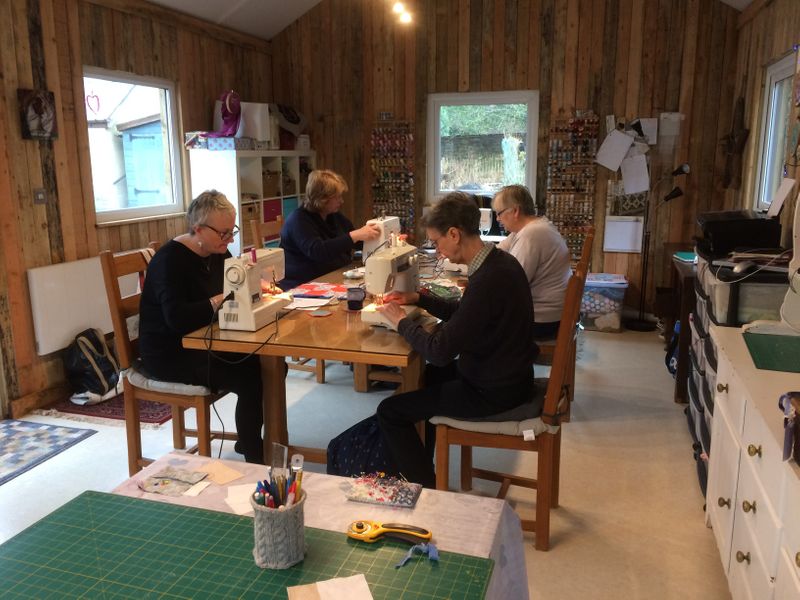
(571, 176)
(262, 184)
(392, 164)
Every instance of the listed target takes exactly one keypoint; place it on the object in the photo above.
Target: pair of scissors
(372, 531)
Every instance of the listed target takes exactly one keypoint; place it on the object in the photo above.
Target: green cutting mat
(774, 352)
(107, 546)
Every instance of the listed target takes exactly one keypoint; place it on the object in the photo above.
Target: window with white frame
(478, 142)
(133, 145)
(774, 126)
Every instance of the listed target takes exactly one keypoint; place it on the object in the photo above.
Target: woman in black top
(316, 238)
(182, 292)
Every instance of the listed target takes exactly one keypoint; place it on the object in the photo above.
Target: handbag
(90, 364)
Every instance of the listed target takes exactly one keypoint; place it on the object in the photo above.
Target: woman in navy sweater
(480, 360)
(316, 238)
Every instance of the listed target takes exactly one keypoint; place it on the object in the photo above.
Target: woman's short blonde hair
(206, 203)
(322, 185)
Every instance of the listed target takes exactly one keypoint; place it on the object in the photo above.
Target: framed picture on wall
(37, 111)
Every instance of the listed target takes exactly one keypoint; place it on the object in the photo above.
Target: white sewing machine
(250, 309)
(393, 268)
(389, 226)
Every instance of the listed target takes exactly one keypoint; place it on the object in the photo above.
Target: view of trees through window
(482, 146)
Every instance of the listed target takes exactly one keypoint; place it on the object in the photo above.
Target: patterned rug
(110, 412)
(24, 444)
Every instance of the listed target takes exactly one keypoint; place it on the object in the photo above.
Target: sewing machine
(250, 309)
(389, 226)
(392, 268)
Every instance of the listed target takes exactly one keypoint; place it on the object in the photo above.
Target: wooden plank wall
(630, 58)
(767, 32)
(43, 44)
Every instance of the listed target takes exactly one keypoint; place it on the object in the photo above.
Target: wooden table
(339, 336)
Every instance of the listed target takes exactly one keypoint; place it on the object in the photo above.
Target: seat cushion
(509, 422)
(140, 380)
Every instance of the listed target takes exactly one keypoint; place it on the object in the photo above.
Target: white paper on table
(634, 174)
(307, 303)
(650, 130)
(613, 150)
(354, 587)
(787, 183)
(239, 498)
(197, 488)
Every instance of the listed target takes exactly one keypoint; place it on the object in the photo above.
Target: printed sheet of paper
(634, 174)
(613, 150)
(354, 587)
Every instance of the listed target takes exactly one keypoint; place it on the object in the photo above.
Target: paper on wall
(634, 174)
(650, 129)
(670, 123)
(613, 150)
(787, 183)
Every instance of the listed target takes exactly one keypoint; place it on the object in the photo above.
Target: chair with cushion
(261, 230)
(136, 384)
(542, 417)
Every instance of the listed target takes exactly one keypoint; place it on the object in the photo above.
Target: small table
(467, 524)
(683, 277)
(340, 336)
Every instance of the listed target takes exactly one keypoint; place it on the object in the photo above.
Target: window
(479, 142)
(775, 124)
(133, 145)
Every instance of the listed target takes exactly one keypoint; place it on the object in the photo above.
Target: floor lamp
(640, 323)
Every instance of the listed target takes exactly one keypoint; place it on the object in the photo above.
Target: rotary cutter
(372, 531)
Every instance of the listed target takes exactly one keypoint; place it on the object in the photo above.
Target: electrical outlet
(39, 196)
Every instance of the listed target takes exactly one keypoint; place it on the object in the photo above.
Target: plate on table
(354, 273)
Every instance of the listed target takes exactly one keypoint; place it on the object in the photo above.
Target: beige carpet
(631, 522)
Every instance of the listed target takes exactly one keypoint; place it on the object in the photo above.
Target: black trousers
(228, 372)
(445, 393)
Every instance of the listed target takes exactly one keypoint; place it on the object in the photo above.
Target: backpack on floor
(90, 364)
(671, 358)
(360, 450)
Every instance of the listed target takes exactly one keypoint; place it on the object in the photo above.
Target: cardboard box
(270, 183)
(229, 143)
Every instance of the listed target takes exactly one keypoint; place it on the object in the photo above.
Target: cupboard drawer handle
(797, 559)
(754, 450)
(742, 557)
(722, 387)
(748, 506)
(723, 502)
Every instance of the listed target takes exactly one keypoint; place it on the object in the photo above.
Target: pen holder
(279, 535)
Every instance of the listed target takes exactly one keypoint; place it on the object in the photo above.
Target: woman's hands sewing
(370, 231)
(391, 305)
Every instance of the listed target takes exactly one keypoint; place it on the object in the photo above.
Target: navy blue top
(175, 302)
(314, 246)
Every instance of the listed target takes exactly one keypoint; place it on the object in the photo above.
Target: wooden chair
(506, 431)
(547, 347)
(259, 231)
(136, 385)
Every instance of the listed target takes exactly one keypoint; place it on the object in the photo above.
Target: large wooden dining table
(339, 336)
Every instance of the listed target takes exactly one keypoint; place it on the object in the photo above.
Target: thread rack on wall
(571, 177)
(392, 164)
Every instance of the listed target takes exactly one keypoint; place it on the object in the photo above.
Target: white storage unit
(262, 184)
(753, 502)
